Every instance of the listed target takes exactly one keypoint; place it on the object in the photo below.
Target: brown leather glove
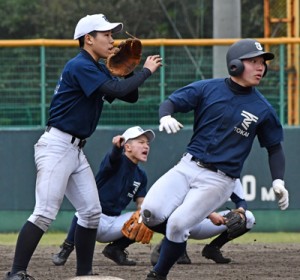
(126, 57)
(135, 229)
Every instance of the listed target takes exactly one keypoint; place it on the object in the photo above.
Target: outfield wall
(17, 176)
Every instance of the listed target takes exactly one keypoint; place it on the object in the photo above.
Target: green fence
(29, 75)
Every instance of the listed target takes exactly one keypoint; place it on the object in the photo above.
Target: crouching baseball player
(217, 224)
(228, 115)
(119, 180)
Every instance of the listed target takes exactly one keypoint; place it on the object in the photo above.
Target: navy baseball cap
(136, 131)
(97, 22)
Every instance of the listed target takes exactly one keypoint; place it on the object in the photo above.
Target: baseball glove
(135, 229)
(235, 220)
(126, 57)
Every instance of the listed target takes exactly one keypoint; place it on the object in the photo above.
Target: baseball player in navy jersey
(214, 225)
(120, 180)
(62, 168)
(228, 114)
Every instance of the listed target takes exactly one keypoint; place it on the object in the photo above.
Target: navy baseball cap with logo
(247, 48)
(136, 131)
(97, 22)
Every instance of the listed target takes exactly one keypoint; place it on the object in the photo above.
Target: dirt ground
(255, 261)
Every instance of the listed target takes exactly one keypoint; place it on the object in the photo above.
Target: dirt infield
(255, 261)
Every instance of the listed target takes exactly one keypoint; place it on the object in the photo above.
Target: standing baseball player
(62, 168)
(215, 224)
(119, 180)
(228, 114)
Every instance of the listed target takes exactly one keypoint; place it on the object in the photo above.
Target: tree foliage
(56, 19)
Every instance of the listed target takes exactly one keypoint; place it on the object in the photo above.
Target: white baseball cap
(96, 22)
(136, 131)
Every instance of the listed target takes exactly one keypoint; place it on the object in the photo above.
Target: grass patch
(56, 238)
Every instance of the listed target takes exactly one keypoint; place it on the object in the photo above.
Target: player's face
(138, 149)
(100, 46)
(254, 69)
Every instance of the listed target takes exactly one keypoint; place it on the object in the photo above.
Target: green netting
(29, 75)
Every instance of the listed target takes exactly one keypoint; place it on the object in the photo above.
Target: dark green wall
(17, 175)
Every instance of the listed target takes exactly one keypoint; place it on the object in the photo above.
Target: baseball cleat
(154, 276)
(118, 255)
(61, 257)
(184, 259)
(21, 275)
(214, 253)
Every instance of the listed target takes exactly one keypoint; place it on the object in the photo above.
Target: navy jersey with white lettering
(74, 108)
(226, 122)
(119, 181)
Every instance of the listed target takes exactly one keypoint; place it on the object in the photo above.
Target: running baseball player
(62, 168)
(119, 180)
(214, 225)
(228, 114)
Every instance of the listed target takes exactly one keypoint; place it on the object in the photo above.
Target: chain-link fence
(29, 76)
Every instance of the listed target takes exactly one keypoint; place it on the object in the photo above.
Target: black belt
(80, 144)
(209, 166)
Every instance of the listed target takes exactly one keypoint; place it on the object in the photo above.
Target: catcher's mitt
(126, 57)
(236, 223)
(135, 229)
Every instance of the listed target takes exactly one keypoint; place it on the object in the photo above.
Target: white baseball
(95, 277)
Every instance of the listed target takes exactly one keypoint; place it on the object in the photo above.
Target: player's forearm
(166, 108)
(139, 202)
(115, 154)
(121, 88)
(276, 162)
(241, 204)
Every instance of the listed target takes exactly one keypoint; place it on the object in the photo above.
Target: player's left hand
(125, 58)
(281, 193)
(236, 223)
(169, 124)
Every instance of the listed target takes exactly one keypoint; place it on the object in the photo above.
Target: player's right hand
(118, 141)
(216, 219)
(169, 124)
(153, 62)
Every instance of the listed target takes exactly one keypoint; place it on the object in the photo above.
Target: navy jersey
(119, 181)
(74, 108)
(226, 123)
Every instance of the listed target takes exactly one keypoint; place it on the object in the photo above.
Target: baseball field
(255, 256)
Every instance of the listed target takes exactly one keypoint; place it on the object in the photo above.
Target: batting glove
(281, 193)
(169, 124)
